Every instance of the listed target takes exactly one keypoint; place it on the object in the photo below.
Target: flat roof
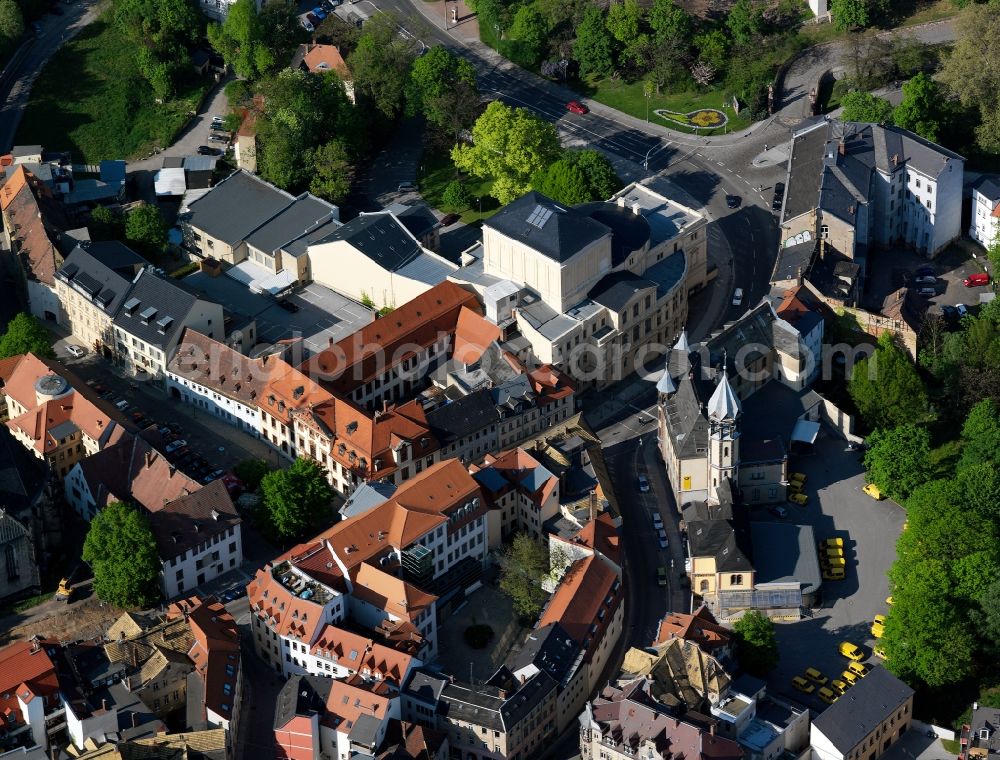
(785, 553)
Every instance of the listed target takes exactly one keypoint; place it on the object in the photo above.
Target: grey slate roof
(630, 231)
(989, 186)
(168, 300)
(463, 417)
(367, 496)
(381, 237)
(105, 286)
(550, 649)
(717, 538)
(685, 423)
(301, 695)
(116, 256)
(859, 712)
(237, 206)
(425, 685)
(560, 236)
(615, 290)
(784, 552)
(305, 215)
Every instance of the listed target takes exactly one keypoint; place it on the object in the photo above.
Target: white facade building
(985, 226)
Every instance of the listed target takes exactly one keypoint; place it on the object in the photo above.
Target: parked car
(121, 404)
(815, 676)
(74, 350)
(949, 312)
(837, 541)
(37, 29)
(163, 430)
(175, 426)
(873, 490)
(839, 686)
(733, 201)
(977, 279)
(319, 13)
(288, 306)
(878, 626)
(961, 310)
(833, 574)
(738, 297)
(664, 544)
(205, 150)
(407, 187)
(575, 106)
(798, 477)
(859, 668)
(926, 280)
(661, 576)
(449, 220)
(827, 695)
(174, 445)
(799, 498)
(779, 196)
(850, 651)
(803, 685)
(643, 483)
(927, 292)
(657, 521)
(99, 388)
(306, 24)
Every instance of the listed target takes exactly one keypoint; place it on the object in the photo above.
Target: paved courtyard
(838, 507)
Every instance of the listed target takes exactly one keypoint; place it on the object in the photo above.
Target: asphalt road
(55, 31)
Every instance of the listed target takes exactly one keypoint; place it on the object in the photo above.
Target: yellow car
(833, 552)
(879, 620)
(888, 600)
(803, 685)
(794, 487)
(815, 676)
(834, 562)
(833, 574)
(799, 498)
(827, 696)
(879, 651)
(834, 542)
(858, 667)
(797, 477)
(850, 651)
(839, 686)
(850, 678)
(873, 490)
(877, 630)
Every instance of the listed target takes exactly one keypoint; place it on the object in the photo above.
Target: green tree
(332, 172)
(238, 39)
(886, 387)
(623, 20)
(251, 472)
(510, 145)
(146, 229)
(563, 182)
(981, 435)
(121, 550)
(921, 110)
(455, 197)
(11, 21)
(669, 21)
(24, 334)
(442, 86)
(745, 22)
(756, 643)
(106, 224)
(850, 14)
(602, 181)
(987, 617)
(593, 47)
(713, 48)
(968, 69)
(863, 106)
(896, 459)
(523, 565)
(381, 64)
(296, 500)
(528, 32)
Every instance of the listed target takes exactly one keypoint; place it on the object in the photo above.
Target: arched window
(736, 580)
(703, 587)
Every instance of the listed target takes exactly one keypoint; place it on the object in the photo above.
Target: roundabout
(703, 118)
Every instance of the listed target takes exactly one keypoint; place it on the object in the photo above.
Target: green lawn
(91, 100)
(437, 170)
(628, 97)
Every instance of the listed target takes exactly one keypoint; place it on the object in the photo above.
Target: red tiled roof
(211, 364)
(215, 651)
(25, 670)
(579, 598)
(473, 334)
(387, 592)
(389, 340)
(21, 208)
(699, 628)
(326, 58)
(602, 535)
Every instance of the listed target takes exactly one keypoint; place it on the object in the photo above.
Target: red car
(575, 106)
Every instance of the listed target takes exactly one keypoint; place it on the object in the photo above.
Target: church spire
(724, 404)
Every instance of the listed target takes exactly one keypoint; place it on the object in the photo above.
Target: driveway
(838, 507)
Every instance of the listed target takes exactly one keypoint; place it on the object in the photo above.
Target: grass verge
(438, 171)
(628, 97)
(90, 99)
(26, 604)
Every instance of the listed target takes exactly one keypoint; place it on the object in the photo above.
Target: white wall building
(985, 226)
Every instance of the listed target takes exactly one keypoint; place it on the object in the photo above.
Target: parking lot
(893, 269)
(838, 507)
(320, 316)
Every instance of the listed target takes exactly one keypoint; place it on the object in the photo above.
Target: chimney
(842, 150)
(636, 208)
(149, 459)
(711, 726)
(895, 159)
(135, 720)
(104, 705)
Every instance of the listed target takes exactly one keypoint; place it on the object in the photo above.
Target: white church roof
(666, 383)
(724, 404)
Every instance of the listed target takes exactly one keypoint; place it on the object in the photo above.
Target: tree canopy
(251, 472)
(886, 387)
(146, 229)
(593, 47)
(332, 172)
(442, 86)
(11, 23)
(981, 436)
(380, 65)
(863, 106)
(523, 566)
(756, 643)
(896, 459)
(24, 334)
(296, 500)
(121, 550)
(528, 32)
(922, 108)
(850, 14)
(510, 145)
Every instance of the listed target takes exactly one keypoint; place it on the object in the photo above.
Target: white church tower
(724, 411)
